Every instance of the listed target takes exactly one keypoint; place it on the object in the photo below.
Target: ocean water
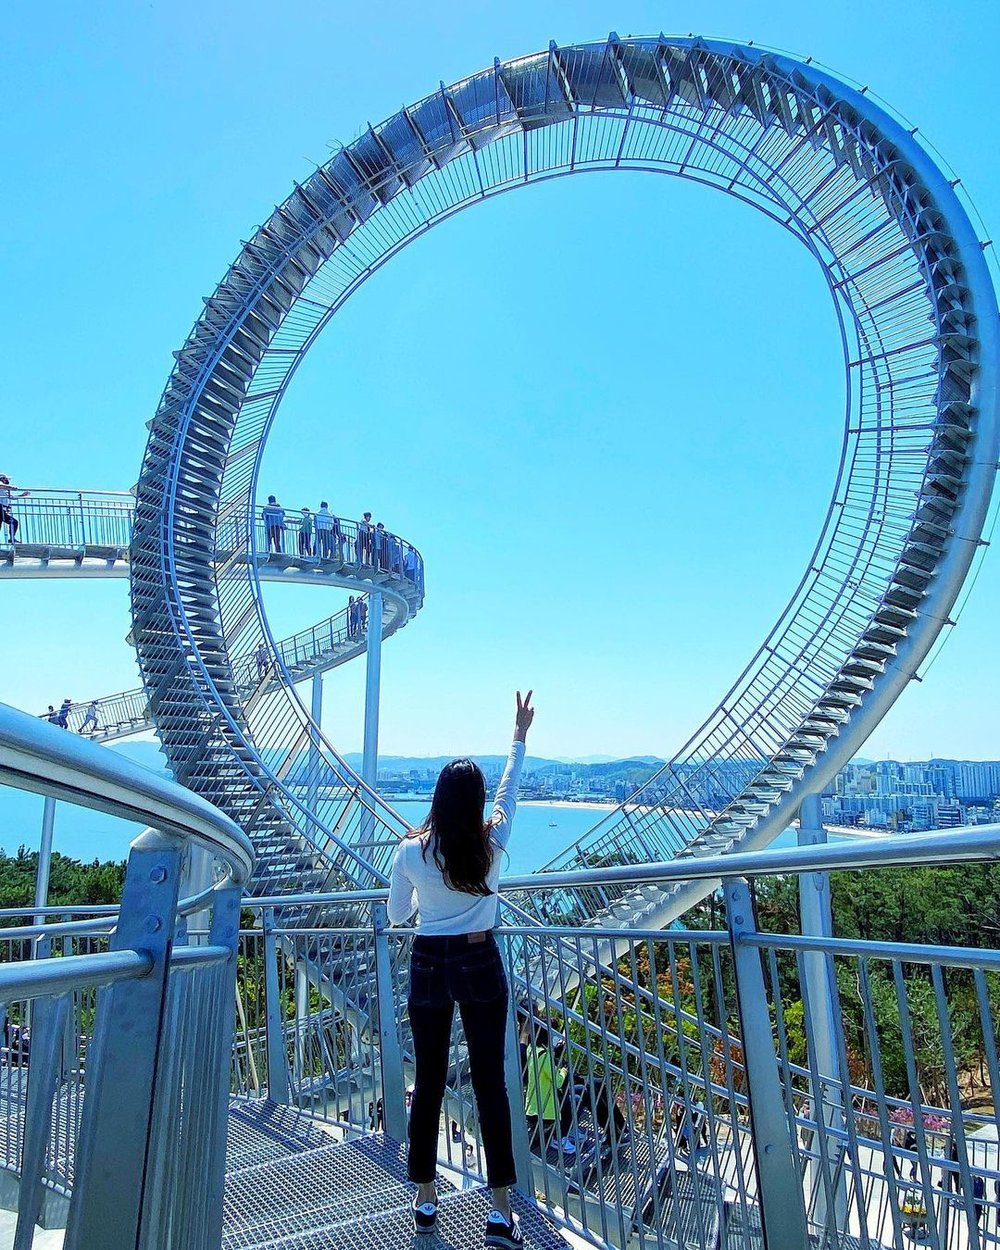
(541, 830)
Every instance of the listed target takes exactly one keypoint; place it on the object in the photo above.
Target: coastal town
(891, 795)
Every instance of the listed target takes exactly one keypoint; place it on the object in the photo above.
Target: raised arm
(505, 802)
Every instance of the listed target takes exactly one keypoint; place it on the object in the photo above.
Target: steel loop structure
(918, 316)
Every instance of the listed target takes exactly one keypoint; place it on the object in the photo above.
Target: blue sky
(607, 410)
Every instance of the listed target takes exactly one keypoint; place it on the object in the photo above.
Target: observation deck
(725, 1084)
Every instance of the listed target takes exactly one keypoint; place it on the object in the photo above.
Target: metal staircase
(918, 319)
(79, 533)
(919, 325)
(317, 649)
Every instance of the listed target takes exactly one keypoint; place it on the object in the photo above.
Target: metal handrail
(978, 844)
(101, 925)
(44, 978)
(44, 759)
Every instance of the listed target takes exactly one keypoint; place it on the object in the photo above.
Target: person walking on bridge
(363, 542)
(448, 871)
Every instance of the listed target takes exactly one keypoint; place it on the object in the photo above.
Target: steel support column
(122, 1064)
(782, 1210)
(225, 931)
(825, 1180)
(277, 1053)
(45, 856)
(373, 678)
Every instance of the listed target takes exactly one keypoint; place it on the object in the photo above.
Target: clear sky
(607, 410)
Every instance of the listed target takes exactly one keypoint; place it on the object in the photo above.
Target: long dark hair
(459, 836)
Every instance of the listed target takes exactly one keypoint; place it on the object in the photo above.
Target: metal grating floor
(260, 1130)
(353, 1194)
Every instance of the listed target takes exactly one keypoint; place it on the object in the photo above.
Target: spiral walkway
(87, 534)
(919, 327)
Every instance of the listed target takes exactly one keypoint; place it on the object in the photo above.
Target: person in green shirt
(543, 1104)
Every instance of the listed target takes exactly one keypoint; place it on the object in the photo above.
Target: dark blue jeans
(445, 971)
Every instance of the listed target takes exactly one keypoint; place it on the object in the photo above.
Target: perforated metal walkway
(291, 1186)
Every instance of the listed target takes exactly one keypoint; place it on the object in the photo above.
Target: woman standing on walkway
(448, 871)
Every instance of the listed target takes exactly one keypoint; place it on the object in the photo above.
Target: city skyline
(891, 795)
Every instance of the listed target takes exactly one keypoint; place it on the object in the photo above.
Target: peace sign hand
(525, 715)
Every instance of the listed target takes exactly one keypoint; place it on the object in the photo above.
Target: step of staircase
(290, 1186)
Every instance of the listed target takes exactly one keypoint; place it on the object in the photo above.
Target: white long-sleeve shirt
(417, 883)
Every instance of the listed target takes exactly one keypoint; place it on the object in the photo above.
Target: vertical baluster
(393, 1084)
(47, 1024)
(111, 1158)
(277, 1054)
(783, 1216)
(512, 1079)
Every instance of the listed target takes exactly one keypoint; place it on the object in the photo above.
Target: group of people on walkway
(320, 535)
(60, 716)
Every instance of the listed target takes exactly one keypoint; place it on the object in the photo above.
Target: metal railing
(77, 519)
(48, 517)
(729, 1083)
(116, 1042)
(713, 1083)
(314, 649)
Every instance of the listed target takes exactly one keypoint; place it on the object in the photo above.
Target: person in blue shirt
(274, 524)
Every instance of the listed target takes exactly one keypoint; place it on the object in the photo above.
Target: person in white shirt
(7, 494)
(324, 532)
(448, 871)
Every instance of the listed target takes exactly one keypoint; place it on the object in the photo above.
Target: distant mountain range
(595, 765)
(150, 756)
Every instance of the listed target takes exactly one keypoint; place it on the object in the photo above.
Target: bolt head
(158, 875)
(154, 924)
(737, 919)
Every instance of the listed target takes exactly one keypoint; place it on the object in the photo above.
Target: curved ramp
(88, 533)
